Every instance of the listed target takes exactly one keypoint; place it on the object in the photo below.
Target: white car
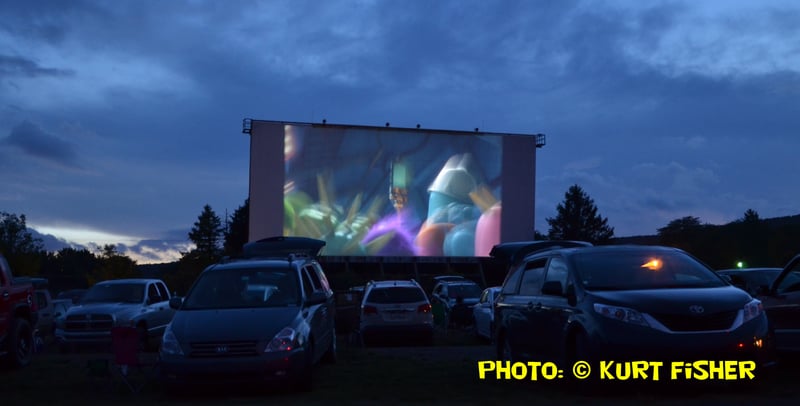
(395, 309)
(483, 312)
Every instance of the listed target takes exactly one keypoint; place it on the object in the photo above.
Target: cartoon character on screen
(393, 235)
(458, 201)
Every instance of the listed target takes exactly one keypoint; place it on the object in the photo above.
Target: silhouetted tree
(112, 265)
(207, 232)
(577, 219)
(237, 233)
(17, 244)
(750, 216)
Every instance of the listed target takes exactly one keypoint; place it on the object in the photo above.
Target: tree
(206, 233)
(750, 216)
(577, 219)
(112, 265)
(684, 233)
(17, 244)
(237, 232)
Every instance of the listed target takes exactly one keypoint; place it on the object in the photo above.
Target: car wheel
(330, 355)
(20, 350)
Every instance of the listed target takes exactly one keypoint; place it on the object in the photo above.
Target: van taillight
(425, 308)
(370, 310)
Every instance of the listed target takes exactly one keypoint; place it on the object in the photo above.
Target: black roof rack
(514, 251)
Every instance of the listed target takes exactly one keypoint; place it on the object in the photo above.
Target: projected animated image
(392, 193)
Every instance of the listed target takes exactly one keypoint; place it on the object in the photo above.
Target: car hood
(104, 308)
(675, 301)
(232, 324)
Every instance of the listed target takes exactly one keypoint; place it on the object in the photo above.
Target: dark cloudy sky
(120, 119)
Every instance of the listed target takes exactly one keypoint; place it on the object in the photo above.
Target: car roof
(737, 270)
(390, 283)
(259, 263)
(128, 280)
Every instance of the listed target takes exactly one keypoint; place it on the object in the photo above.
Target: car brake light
(424, 308)
(370, 310)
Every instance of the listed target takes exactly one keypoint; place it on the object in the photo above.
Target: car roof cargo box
(282, 247)
(514, 251)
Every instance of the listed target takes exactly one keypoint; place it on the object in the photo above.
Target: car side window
(152, 293)
(308, 286)
(532, 277)
(321, 277)
(512, 280)
(791, 282)
(162, 291)
(313, 275)
(557, 271)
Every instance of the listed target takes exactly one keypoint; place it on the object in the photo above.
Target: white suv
(395, 309)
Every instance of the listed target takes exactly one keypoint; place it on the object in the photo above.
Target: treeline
(77, 268)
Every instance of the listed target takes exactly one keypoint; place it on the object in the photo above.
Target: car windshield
(464, 291)
(244, 288)
(396, 294)
(115, 293)
(640, 269)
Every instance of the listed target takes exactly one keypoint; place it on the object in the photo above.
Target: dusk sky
(120, 120)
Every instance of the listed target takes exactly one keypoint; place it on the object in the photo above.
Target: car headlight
(752, 310)
(169, 343)
(621, 314)
(286, 340)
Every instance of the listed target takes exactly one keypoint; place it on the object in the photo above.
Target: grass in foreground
(397, 375)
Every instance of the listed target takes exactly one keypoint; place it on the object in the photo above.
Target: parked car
(396, 309)
(624, 303)
(45, 323)
(483, 313)
(268, 316)
(140, 303)
(74, 295)
(458, 297)
(18, 316)
(781, 300)
(60, 307)
(754, 281)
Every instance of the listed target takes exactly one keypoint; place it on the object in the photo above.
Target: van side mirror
(176, 302)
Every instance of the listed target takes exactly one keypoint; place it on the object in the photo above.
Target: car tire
(20, 344)
(330, 356)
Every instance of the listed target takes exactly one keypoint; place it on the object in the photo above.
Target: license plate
(396, 317)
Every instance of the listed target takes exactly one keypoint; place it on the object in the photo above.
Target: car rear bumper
(398, 331)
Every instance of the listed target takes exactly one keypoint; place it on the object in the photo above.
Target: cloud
(34, 141)
(18, 66)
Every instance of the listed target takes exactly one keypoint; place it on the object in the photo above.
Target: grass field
(444, 374)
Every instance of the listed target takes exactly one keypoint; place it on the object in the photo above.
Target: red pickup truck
(18, 315)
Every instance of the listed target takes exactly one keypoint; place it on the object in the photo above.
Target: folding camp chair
(128, 364)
